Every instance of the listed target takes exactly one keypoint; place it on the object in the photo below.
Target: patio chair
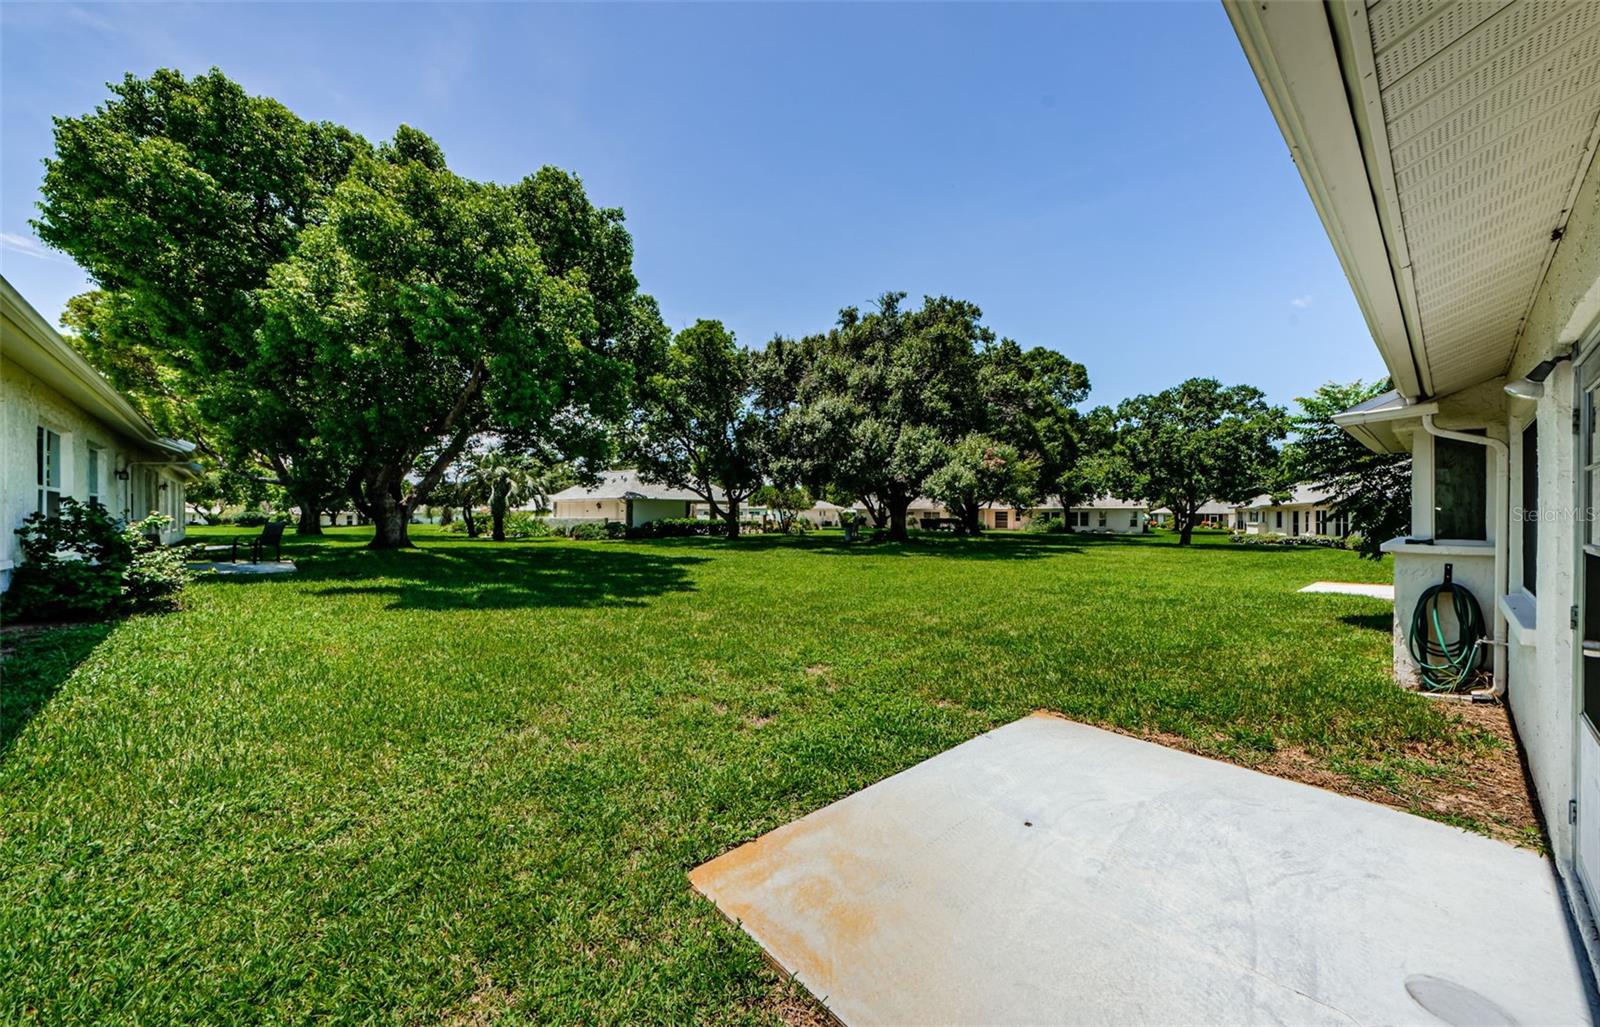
(271, 535)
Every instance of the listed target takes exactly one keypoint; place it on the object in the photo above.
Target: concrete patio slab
(1352, 588)
(1050, 872)
(245, 569)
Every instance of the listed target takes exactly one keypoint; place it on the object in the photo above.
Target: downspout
(1501, 519)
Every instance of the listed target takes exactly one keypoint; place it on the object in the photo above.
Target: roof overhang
(39, 349)
(1443, 146)
(1377, 422)
(1292, 49)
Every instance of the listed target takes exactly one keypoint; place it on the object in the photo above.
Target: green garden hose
(1445, 666)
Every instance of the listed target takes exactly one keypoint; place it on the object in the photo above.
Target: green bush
(526, 524)
(1268, 538)
(81, 563)
(253, 518)
(1046, 526)
(678, 527)
(594, 531)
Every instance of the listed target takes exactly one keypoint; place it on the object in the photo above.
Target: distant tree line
(357, 324)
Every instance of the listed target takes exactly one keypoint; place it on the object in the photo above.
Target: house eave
(1292, 48)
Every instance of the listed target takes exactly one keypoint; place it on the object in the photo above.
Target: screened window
(1279, 522)
(1322, 522)
(1133, 520)
(48, 462)
(1460, 489)
(1530, 506)
(1002, 519)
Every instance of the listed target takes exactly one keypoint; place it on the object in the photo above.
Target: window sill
(1521, 614)
(1445, 548)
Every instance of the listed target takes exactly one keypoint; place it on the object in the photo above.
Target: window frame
(47, 465)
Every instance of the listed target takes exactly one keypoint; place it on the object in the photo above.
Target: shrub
(1046, 526)
(683, 527)
(253, 518)
(526, 524)
(1268, 538)
(594, 531)
(81, 563)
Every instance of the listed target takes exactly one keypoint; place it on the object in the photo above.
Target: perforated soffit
(1488, 108)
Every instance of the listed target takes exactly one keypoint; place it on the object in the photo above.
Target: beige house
(1304, 511)
(1449, 151)
(625, 497)
(68, 433)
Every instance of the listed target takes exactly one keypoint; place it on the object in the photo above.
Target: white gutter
(1501, 518)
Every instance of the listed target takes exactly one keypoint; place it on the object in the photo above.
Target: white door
(1586, 834)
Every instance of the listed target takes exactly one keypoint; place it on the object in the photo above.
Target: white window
(93, 490)
(48, 461)
(1133, 520)
(1255, 516)
(1102, 518)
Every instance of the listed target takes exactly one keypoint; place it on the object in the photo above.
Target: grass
(467, 781)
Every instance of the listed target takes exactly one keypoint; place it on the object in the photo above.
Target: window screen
(1460, 486)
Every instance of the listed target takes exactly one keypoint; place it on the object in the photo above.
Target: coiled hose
(1445, 666)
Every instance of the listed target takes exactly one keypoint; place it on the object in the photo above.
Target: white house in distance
(1212, 513)
(1306, 510)
(622, 496)
(1105, 514)
(68, 433)
(1449, 150)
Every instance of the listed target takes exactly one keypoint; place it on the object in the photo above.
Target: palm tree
(507, 478)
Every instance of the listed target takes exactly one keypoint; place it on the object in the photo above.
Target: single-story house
(1212, 513)
(1449, 151)
(1306, 510)
(623, 496)
(68, 433)
(1099, 514)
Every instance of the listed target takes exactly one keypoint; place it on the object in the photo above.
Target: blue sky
(1102, 179)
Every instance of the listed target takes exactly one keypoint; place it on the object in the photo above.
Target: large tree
(696, 427)
(1193, 442)
(1374, 489)
(428, 308)
(879, 400)
(1030, 403)
(178, 196)
(979, 470)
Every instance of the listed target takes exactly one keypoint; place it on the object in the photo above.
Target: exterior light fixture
(122, 474)
(1532, 387)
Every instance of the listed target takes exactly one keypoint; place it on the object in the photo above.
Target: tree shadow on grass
(1383, 622)
(456, 577)
(34, 663)
(987, 546)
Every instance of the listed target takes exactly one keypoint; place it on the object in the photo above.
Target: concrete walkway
(1352, 588)
(245, 569)
(1049, 872)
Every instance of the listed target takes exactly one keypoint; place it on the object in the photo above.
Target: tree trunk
(498, 501)
(391, 518)
(731, 515)
(467, 519)
(897, 519)
(310, 522)
(972, 516)
(1185, 527)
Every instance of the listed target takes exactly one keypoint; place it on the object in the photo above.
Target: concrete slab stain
(1049, 872)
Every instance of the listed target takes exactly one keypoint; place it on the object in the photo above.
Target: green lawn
(470, 778)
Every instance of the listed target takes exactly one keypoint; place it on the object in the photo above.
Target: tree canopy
(1374, 489)
(178, 196)
(1193, 442)
(334, 310)
(695, 427)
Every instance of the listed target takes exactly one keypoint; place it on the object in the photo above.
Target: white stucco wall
(1540, 687)
(30, 403)
(647, 510)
